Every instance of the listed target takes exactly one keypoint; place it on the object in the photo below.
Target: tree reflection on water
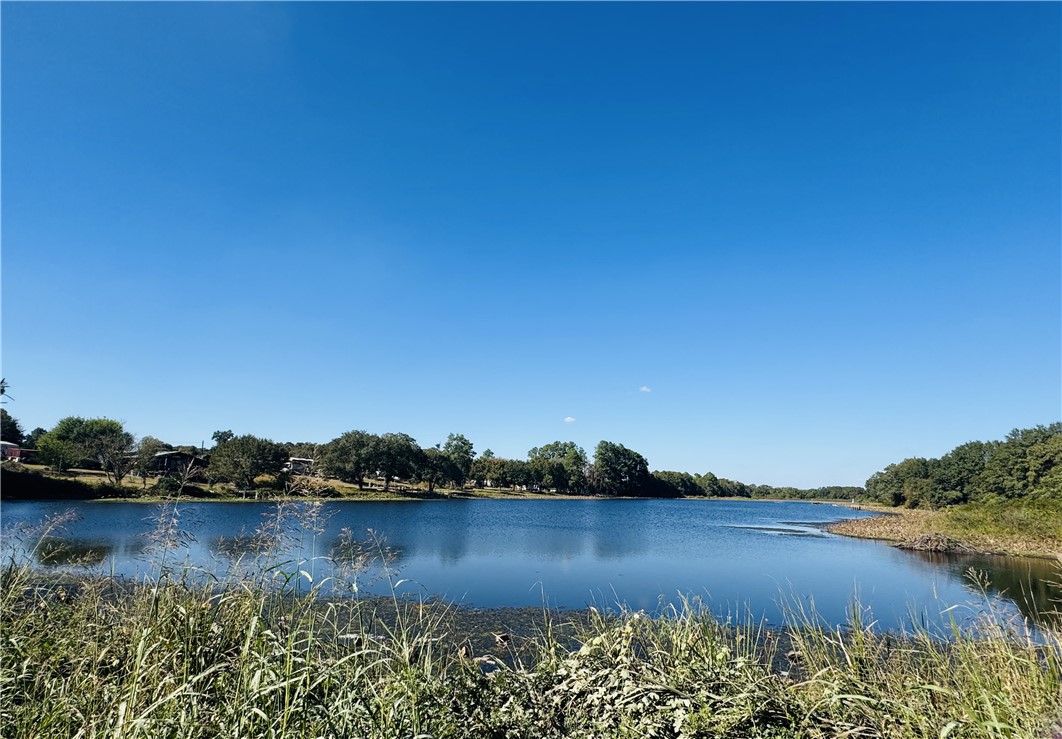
(1033, 585)
(53, 551)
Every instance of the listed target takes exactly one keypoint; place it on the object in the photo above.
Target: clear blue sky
(824, 237)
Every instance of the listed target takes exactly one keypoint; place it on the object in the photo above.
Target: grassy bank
(95, 658)
(37, 482)
(1024, 527)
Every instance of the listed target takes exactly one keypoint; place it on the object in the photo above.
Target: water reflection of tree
(60, 552)
(620, 529)
(359, 562)
(243, 545)
(1034, 586)
(282, 526)
(419, 529)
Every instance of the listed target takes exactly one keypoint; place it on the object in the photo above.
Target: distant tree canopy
(395, 457)
(240, 459)
(459, 453)
(32, 437)
(10, 429)
(1028, 463)
(560, 466)
(220, 437)
(492, 471)
(99, 442)
(436, 467)
(619, 471)
(676, 485)
(348, 457)
(668, 484)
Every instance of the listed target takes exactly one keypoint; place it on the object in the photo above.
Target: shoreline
(935, 531)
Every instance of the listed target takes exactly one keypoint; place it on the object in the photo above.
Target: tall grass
(260, 655)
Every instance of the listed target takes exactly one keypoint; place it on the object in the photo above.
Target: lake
(737, 556)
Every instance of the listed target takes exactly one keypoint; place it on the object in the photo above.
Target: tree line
(1026, 464)
(358, 457)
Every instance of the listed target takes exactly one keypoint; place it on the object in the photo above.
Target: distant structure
(299, 466)
(165, 463)
(10, 450)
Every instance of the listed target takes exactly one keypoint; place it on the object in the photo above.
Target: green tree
(515, 473)
(954, 473)
(241, 459)
(709, 483)
(887, 486)
(348, 457)
(559, 465)
(459, 451)
(733, 488)
(394, 456)
(1006, 471)
(1045, 467)
(107, 443)
(499, 472)
(435, 467)
(671, 484)
(61, 446)
(618, 470)
(220, 437)
(102, 441)
(10, 428)
(491, 471)
(33, 436)
(919, 492)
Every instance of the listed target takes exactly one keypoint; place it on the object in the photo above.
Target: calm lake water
(737, 556)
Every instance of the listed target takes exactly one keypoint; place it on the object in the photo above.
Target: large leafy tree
(10, 428)
(500, 472)
(1006, 471)
(891, 485)
(560, 465)
(33, 436)
(61, 446)
(1027, 463)
(618, 470)
(220, 437)
(459, 452)
(436, 467)
(1045, 467)
(671, 484)
(709, 484)
(348, 457)
(110, 445)
(241, 459)
(954, 473)
(75, 440)
(394, 456)
(733, 488)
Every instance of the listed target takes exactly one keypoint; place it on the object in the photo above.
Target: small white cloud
(569, 419)
(645, 389)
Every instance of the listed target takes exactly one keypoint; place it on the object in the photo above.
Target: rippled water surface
(736, 555)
